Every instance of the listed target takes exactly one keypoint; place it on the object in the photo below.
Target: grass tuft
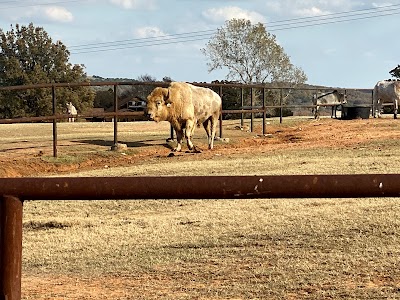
(40, 225)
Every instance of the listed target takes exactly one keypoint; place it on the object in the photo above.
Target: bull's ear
(165, 93)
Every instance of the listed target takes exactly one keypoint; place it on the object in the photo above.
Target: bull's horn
(166, 94)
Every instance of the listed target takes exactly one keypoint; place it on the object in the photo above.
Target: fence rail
(14, 191)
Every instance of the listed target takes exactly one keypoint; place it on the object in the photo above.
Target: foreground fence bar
(10, 248)
(202, 187)
(15, 190)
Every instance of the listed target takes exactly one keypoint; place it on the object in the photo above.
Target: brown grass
(225, 249)
(242, 249)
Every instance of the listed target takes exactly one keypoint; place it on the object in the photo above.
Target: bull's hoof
(171, 154)
(194, 150)
(176, 149)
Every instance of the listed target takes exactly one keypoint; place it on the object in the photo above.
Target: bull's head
(158, 104)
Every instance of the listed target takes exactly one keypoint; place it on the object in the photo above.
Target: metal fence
(252, 109)
(14, 191)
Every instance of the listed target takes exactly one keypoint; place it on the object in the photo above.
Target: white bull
(386, 91)
(333, 99)
(185, 106)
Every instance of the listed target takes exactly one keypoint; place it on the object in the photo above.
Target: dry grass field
(209, 249)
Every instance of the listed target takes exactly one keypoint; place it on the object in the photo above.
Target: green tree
(104, 99)
(395, 72)
(29, 56)
(251, 55)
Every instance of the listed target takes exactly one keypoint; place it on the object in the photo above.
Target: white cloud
(310, 8)
(231, 12)
(147, 32)
(378, 5)
(59, 14)
(330, 51)
(310, 12)
(161, 60)
(369, 54)
(135, 4)
(40, 14)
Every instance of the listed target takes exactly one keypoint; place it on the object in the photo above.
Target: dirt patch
(104, 287)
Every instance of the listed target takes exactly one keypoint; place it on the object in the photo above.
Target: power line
(142, 42)
(146, 40)
(345, 13)
(280, 25)
(33, 4)
(338, 20)
(288, 24)
(275, 25)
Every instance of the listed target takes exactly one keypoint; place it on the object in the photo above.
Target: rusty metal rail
(15, 190)
(202, 187)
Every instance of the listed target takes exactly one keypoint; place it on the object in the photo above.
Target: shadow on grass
(22, 148)
(136, 144)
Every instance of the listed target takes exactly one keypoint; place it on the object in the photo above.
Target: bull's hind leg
(207, 127)
(396, 108)
(214, 123)
(211, 127)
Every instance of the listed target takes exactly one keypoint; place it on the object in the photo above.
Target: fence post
(373, 113)
(264, 129)
(115, 116)
(220, 116)
(252, 114)
(10, 248)
(241, 107)
(53, 96)
(281, 108)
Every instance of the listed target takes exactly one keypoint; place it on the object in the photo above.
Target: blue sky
(346, 53)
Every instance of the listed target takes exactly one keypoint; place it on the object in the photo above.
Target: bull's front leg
(190, 126)
(179, 137)
(396, 108)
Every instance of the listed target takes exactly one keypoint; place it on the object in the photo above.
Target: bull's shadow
(135, 144)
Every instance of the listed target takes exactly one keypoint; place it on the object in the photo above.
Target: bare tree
(251, 55)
